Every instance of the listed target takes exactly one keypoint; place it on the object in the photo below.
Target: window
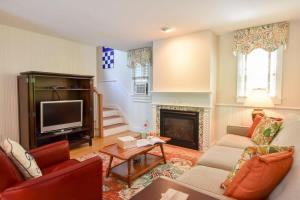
(141, 79)
(260, 69)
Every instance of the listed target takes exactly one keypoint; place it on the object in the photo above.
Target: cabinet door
(23, 97)
(32, 111)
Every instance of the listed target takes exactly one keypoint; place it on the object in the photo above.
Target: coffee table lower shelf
(132, 169)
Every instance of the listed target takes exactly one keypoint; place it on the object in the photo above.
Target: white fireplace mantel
(186, 91)
(193, 99)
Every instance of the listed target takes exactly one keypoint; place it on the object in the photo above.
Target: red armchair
(63, 178)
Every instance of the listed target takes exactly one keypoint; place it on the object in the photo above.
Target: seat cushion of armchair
(59, 166)
(206, 178)
(9, 174)
(235, 141)
(220, 157)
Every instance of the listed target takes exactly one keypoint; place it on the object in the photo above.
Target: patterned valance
(268, 37)
(141, 56)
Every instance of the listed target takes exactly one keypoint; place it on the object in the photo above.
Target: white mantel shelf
(183, 105)
(193, 92)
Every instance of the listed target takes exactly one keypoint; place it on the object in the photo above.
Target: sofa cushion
(289, 134)
(256, 121)
(251, 152)
(220, 157)
(205, 178)
(289, 187)
(266, 131)
(260, 175)
(59, 166)
(235, 141)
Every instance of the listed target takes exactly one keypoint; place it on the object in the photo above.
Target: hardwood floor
(97, 144)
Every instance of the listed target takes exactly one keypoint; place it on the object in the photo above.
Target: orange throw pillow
(256, 121)
(260, 175)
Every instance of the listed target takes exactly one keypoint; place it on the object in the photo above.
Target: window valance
(142, 56)
(268, 37)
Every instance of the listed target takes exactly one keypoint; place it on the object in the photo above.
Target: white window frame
(142, 97)
(277, 98)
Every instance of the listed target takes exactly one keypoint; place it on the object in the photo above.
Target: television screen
(60, 115)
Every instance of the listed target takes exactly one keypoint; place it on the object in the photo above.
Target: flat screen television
(59, 115)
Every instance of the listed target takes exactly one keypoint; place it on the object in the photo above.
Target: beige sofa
(215, 164)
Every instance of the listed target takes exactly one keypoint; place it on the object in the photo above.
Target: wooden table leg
(163, 153)
(129, 170)
(109, 166)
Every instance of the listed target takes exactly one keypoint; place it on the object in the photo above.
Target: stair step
(115, 129)
(111, 117)
(109, 112)
(107, 109)
(114, 126)
(115, 119)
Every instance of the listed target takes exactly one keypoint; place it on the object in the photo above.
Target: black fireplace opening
(181, 126)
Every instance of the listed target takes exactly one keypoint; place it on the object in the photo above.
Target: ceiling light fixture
(166, 29)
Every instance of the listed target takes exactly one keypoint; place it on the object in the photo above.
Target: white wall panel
(241, 116)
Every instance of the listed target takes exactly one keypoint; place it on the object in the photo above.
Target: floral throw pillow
(22, 159)
(249, 153)
(266, 130)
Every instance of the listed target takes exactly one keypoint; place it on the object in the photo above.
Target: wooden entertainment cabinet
(34, 87)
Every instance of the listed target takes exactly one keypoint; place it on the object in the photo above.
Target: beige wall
(228, 112)
(184, 73)
(183, 63)
(22, 50)
(226, 73)
(227, 70)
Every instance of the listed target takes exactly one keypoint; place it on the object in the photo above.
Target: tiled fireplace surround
(205, 117)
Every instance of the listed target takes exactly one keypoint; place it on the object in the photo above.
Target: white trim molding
(243, 106)
(200, 92)
(142, 98)
(240, 115)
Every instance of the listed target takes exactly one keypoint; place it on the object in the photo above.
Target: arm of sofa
(77, 182)
(51, 154)
(237, 130)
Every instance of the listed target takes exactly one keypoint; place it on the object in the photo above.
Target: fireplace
(181, 126)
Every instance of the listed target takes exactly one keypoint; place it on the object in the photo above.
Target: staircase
(110, 120)
(113, 122)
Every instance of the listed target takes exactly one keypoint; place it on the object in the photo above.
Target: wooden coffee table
(159, 186)
(129, 170)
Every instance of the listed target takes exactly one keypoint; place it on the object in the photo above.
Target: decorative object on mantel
(268, 37)
(107, 58)
(259, 99)
(142, 56)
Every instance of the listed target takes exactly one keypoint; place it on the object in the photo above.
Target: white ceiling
(127, 24)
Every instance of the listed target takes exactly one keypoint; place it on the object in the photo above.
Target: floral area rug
(179, 160)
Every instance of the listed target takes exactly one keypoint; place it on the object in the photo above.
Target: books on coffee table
(126, 142)
(149, 141)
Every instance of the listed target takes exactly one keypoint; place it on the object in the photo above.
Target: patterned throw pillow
(265, 131)
(22, 159)
(249, 153)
